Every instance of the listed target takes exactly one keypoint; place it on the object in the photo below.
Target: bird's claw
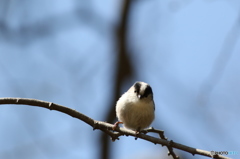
(116, 125)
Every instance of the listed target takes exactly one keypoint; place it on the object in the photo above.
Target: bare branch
(107, 127)
(162, 136)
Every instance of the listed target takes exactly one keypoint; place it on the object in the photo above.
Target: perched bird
(135, 108)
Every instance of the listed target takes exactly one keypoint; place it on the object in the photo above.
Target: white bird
(135, 108)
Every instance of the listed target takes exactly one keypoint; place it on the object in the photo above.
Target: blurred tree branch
(27, 32)
(106, 127)
(123, 70)
(220, 63)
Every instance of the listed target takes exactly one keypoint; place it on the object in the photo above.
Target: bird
(135, 108)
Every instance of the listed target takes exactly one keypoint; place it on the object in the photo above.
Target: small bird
(135, 108)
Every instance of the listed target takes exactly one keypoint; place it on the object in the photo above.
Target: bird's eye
(135, 91)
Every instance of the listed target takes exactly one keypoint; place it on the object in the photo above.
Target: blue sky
(188, 51)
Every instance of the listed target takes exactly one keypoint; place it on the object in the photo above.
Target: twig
(162, 136)
(106, 127)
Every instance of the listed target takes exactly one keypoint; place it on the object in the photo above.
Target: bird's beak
(139, 96)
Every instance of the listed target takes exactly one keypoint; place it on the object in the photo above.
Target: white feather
(135, 113)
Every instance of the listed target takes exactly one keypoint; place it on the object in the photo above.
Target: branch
(162, 136)
(107, 127)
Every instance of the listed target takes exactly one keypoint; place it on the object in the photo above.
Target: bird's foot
(116, 125)
(137, 132)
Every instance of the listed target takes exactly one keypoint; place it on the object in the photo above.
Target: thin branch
(162, 136)
(107, 127)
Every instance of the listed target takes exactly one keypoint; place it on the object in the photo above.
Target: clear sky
(63, 52)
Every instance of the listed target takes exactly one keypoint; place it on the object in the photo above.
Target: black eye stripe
(137, 87)
(148, 91)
